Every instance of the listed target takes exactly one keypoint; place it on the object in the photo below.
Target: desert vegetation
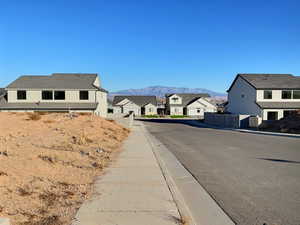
(48, 163)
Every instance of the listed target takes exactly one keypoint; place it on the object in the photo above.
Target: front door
(272, 115)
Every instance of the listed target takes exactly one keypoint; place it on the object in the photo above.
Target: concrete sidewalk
(133, 191)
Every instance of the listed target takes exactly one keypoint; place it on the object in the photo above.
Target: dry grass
(47, 168)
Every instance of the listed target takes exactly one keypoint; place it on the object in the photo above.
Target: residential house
(269, 96)
(188, 104)
(139, 105)
(59, 92)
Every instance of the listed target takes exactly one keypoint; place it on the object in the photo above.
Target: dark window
(286, 94)
(267, 94)
(296, 94)
(59, 95)
(272, 115)
(47, 95)
(84, 95)
(242, 95)
(21, 95)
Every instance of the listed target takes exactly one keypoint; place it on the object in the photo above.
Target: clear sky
(139, 43)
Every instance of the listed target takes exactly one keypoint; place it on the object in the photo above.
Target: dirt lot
(49, 162)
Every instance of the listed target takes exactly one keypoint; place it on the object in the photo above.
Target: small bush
(178, 116)
(34, 116)
(151, 116)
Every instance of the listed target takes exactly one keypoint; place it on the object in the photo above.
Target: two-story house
(269, 96)
(188, 104)
(138, 104)
(57, 92)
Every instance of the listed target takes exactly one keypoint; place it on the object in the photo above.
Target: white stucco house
(188, 104)
(269, 96)
(138, 104)
(58, 92)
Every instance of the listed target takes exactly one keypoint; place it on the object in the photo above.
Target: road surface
(254, 178)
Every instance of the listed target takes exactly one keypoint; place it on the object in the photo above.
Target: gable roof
(269, 81)
(56, 81)
(188, 98)
(139, 100)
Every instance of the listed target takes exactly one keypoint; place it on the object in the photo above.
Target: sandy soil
(49, 162)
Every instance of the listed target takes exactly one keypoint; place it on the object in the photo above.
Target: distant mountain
(160, 91)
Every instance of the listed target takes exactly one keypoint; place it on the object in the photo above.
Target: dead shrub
(3, 173)
(49, 121)
(47, 158)
(42, 113)
(47, 220)
(84, 114)
(82, 139)
(49, 198)
(24, 191)
(34, 116)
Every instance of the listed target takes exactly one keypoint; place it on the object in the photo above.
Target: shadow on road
(280, 160)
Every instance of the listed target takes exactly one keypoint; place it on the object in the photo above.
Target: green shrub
(178, 116)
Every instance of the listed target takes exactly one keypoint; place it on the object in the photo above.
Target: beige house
(57, 92)
(189, 104)
(139, 105)
(268, 96)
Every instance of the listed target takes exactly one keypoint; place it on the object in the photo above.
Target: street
(254, 178)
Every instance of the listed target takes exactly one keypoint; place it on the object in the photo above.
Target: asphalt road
(254, 178)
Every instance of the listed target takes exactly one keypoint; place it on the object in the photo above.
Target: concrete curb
(248, 131)
(4, 221)
(194, 203)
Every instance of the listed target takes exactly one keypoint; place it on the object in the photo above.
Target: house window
(47, 95)
(296, 94)
(84, 95)
(175, 99)
(267, 94)
(272, 115)
(286, 94)
(21, 95)
(198, 110)
(59, 95)
(243, 96)
(150, 109)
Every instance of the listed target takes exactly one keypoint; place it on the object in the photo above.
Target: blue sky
(134, 44)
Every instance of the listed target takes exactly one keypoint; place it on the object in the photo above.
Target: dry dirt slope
(48, 163)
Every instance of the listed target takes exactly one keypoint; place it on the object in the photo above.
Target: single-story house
(59, 92)
(188, 104)
(138, 104)
(269, 96)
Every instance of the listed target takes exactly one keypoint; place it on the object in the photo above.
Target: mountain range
(161, 91)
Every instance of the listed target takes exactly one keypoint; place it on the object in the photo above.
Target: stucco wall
(101, 98)
(242, 98)
(150, 109)
(176, 110)
(130, 106)
(199, 107)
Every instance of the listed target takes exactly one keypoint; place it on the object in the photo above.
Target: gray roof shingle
(188, 98)
(270, 81)
(56, 81)
(50, 105)
(279, 105)
(2, 91)
(139, 100)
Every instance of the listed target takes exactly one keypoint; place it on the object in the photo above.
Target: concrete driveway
(254, 178)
